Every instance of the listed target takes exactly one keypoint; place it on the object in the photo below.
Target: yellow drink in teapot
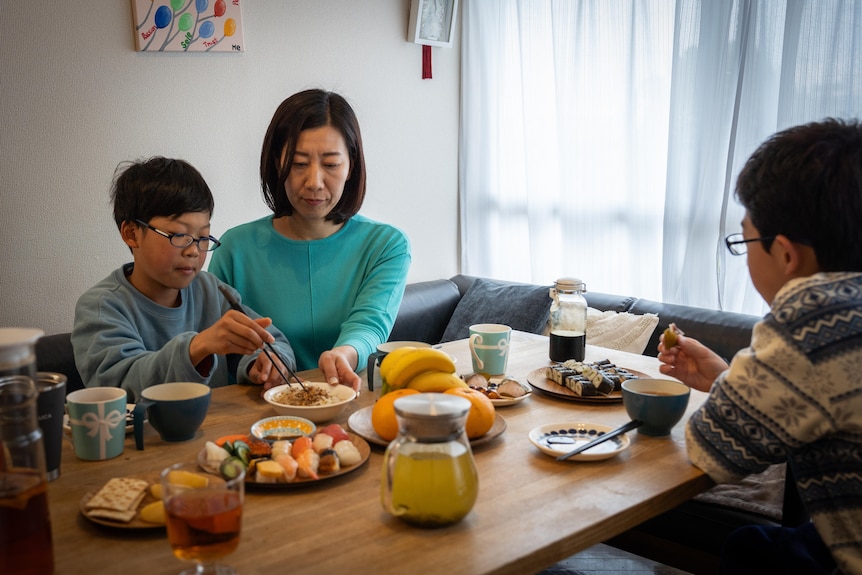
(434, 488)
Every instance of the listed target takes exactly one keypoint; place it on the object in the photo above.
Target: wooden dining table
(532, 510)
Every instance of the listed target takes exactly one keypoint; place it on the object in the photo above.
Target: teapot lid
(432, 405)
(433, 416)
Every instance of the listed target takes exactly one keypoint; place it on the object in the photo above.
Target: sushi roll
(583, 387)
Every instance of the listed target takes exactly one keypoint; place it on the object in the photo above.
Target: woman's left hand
(337, 366)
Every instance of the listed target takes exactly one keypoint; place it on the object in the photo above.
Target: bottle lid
(571, 284)
(17, 346)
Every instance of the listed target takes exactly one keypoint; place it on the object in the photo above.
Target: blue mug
(175, 410)
(489, 348)
(97, 417)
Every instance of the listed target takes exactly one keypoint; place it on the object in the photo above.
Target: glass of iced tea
(204, 515)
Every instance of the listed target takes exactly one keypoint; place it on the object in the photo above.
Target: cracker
(112, 515)
(119, 494)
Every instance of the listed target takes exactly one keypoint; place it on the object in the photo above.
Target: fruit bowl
(341, 396)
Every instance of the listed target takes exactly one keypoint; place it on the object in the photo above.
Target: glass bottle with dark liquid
(26, 546)
(568, 320)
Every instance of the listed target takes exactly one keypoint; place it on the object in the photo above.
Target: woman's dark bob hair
(304, 111)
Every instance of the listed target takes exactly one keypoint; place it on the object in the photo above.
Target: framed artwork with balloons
(187, 25)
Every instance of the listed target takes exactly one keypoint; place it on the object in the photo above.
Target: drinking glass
(204, 516)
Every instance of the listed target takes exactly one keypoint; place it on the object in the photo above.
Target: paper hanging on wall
(187, 25)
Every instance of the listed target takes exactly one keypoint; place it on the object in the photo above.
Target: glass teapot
(429, 475)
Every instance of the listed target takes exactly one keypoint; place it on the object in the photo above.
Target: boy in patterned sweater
(795, 394)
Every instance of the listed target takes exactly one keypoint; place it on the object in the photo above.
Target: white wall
(76, 99)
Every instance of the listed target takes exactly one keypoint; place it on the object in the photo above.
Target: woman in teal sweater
(330, 279)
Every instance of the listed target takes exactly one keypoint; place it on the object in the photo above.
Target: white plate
(130, 408)
(359, 423)
(504, 401)
(555, 439)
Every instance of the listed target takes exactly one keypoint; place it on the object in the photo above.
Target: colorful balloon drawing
(187, 25)
(163, 17)
(207, 29)
(185, 22)
(229, 27)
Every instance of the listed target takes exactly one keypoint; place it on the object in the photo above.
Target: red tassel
(426, 62)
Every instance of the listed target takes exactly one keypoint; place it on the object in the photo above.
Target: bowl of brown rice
(319, 402)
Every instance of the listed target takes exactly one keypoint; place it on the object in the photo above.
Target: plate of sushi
(285, 464)
(555, 439)
(587, 382)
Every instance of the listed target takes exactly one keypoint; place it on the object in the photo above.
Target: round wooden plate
(537, 379)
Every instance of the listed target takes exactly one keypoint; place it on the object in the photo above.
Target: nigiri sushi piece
(308, 463)
(300, 444)
(269, 471)
(281, 446)
(322, 442)
(329, 462)
(336, 431)
(289, 464)
(347, 453)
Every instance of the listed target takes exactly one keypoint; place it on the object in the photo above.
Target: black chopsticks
(601, 439)
(268, 349)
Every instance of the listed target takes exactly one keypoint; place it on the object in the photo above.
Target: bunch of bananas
(421, 368)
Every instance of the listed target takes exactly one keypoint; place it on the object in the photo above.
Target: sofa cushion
(425, 310)
(620, 330)
(523, 307)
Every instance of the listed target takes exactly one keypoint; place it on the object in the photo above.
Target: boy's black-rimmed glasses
(738, 246)
(204, 244)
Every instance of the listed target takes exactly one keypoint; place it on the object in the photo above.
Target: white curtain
(601, 138)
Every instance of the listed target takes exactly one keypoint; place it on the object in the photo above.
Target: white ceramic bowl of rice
(323, 402)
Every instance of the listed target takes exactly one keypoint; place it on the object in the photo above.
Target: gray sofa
(689, 536)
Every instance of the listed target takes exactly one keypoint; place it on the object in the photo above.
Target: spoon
(601, 439)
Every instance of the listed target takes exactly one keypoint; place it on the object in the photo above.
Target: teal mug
(176, 410)
(489, 348)
(97, 417)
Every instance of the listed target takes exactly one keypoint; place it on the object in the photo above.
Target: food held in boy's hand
(670, 336)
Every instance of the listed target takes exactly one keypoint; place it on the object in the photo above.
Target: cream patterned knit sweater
(796, 395)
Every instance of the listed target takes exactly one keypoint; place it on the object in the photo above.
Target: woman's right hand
(691, 362)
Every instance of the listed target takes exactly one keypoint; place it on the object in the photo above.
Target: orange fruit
(480, 420)
(383, 413)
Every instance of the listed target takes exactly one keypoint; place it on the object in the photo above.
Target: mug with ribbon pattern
(489, 348)
(97, 416)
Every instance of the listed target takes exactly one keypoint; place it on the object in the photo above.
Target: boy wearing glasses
(795, 394)
(162, 318)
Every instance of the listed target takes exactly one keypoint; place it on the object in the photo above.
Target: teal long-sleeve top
(121, 338)
(341, 290)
